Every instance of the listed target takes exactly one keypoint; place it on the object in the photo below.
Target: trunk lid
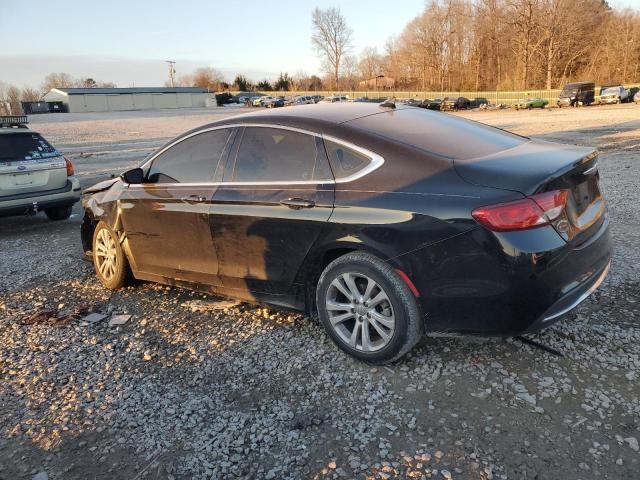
(29, 164)
(534, 167)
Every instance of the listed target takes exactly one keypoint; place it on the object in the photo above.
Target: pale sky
(127, 42)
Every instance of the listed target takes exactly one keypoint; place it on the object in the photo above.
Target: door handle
(298, 203)
(194, 199)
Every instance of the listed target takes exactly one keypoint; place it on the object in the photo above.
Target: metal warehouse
(82, 100)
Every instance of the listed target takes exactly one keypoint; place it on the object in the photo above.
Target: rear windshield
(439, 133)
(24, 146)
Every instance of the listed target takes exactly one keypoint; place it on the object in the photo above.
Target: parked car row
(269, 101)
(572, 95)
(447, 103)
(579, 94)
(575, 94)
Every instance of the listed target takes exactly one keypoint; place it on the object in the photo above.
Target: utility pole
(172, 71)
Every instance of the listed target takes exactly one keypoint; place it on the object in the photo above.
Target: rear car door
(166, 218)
(29, 164)
(270, 209)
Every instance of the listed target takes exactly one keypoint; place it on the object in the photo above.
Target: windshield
(610, 91)
(25, 146)
(569, 92)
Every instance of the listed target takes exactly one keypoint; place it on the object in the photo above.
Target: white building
(82, 100)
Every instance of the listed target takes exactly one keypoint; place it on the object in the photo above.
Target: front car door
(275, 200)
(166, 218)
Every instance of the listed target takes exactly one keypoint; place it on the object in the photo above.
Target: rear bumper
(572, 299)
(504, 284)
(25, 204)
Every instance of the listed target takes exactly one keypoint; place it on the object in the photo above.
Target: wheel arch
(318, 259)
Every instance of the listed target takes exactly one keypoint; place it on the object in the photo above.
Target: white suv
(34, 176)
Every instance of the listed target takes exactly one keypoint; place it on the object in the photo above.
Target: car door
(275, 200)
(166, 218)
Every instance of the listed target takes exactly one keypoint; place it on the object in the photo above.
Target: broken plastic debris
(94, 318)
(118, 320)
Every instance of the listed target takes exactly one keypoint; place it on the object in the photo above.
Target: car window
(279, 155)
(343, 160)
(25, 146)
(193, 160)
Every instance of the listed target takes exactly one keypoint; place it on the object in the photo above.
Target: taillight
(534, 211)
(69, 167)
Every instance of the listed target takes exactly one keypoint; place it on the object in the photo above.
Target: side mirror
(133, 176)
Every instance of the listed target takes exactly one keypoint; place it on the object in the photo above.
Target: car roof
(579, 84)
(9, 131)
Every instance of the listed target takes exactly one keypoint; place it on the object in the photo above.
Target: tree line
(489, 45)
(451, 45)
(469, 45)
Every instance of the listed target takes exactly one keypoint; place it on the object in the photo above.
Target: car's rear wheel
(367, 309)
(109, 259)
(58, 213)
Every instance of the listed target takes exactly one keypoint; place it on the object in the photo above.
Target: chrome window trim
(375, 163)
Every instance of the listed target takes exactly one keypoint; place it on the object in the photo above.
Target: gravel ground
(247, 392)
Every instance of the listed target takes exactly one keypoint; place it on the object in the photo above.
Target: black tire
(120, 275)
(58, 213)
(400, 302)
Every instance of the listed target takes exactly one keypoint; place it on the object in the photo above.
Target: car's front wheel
(367, 309)
(58, 213)
(109, 259)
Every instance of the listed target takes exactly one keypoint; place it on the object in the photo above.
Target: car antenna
(389, 103)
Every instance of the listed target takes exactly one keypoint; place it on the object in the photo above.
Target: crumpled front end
(100, 202)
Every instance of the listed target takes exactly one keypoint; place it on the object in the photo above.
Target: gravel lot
(247, 392)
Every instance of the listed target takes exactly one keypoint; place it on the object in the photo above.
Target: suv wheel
(109, 259)
(367, 309)
(58, 213)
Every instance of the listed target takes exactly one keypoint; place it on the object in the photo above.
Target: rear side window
(193, 160)
(345, 161)
(279, 155)
(24, 146)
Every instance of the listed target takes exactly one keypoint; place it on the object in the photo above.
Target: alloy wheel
(360, 312)
(106, 254)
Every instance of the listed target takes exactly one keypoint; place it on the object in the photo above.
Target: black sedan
(455, 103)
(431, 104)
(388, 222)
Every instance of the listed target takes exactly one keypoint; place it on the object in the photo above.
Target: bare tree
(91, 83)
(13, 100)
(349, 71)
(370, 64)
(29, 94)
(4, 104)
(57, 80)
(332, 38)
(207, 78)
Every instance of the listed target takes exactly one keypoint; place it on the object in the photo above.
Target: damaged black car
(389, 222)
